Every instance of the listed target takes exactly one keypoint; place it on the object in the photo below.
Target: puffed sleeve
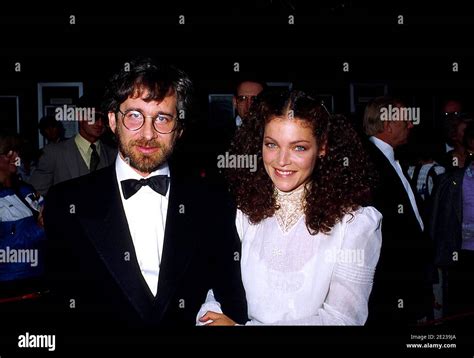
(42, 178)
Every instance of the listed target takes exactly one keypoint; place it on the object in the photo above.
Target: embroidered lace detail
(291, 208)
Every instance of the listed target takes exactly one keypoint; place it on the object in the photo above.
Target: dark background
(414, 60)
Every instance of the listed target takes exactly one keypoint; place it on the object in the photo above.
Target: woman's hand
(217, 319)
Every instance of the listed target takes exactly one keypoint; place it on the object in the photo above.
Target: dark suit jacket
(403, 270)
(446, 217)
(92, 258)
(62, 161)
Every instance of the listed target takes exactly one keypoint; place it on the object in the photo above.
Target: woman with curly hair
(309, 245)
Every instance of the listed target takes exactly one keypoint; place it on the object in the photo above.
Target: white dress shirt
(388, 152)
(146, 216)
(238, 121)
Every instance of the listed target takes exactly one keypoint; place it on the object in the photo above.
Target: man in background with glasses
(143, 245)
(246, 91)
(451, 109)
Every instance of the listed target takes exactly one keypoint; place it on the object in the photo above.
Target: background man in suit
(221, 130)
(401, 293)
(136, 243)
(246, 90)
(76, 156)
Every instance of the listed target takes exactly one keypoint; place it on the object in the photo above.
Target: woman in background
(21, 231)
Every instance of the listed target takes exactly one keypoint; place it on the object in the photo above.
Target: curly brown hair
(341, 180)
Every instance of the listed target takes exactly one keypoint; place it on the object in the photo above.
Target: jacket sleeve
(42, 177)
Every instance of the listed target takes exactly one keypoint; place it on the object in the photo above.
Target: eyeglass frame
(10, 150)
(243, 98)
(455, 114)
(175, 118)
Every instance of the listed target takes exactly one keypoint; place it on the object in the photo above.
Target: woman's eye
(270, 145)
(300, 148)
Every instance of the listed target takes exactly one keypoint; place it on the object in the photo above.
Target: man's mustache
(147, 143)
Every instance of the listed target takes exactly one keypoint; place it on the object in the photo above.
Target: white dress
(294, 278)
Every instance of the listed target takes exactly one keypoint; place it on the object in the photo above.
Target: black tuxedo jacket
(93, 270)
(403, 270)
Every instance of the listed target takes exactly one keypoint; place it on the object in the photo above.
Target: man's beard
(145, 163)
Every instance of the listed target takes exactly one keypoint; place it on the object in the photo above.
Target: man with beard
(135, 243)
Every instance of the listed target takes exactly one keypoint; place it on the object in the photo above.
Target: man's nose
(147, 130)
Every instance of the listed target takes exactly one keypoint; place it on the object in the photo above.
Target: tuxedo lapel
(179, 243)
(384, 166)
(107, 227)
(390, 175)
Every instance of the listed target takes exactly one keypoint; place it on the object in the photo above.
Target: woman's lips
(284, 173)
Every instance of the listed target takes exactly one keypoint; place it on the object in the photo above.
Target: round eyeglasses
(241, 99)
(134, 119)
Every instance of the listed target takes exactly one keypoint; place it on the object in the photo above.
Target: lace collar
(291, 207)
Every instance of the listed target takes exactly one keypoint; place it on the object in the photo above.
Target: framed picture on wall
(57, 94)
(362, 93)
(283, 85)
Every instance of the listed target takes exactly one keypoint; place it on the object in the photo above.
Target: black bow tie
(158, 183)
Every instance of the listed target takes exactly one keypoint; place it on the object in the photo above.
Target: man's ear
(112, 121)
(387, 127)
(234, 101)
